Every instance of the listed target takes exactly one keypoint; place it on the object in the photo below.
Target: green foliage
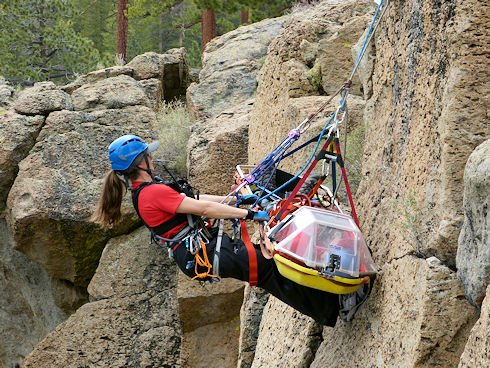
(97, 21)
(409, 218)
(38, 42)
(176, 23)
(354, 155)
(58, 39)
(174, 125)
(314, 76)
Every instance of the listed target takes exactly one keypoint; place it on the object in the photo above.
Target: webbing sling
(217, 249)
(252, 256)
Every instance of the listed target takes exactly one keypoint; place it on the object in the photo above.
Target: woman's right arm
(210, 209)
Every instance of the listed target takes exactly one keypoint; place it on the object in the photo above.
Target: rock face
(6, 93)
(420, 51)
(414, 318)
(250, 317)
(133, 321)
(216, 146)
(425, 114)
(41, 99)
(230, 67)
(473, 257)
(27, 307)
(297, 68)
(276, 348)
(477, 349)
(18, 134)
(209, 315)
(59, 184)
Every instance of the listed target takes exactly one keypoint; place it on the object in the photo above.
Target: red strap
(301, 182)
(347, 186)
(252, 256)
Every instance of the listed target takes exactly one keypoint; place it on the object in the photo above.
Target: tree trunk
(122, 31)
(208, 27)
(182, 26)
(245, 16)
(160, 33)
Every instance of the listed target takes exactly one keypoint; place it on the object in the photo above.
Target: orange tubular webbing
(252, 256)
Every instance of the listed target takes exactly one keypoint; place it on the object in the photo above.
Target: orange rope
(203, 262)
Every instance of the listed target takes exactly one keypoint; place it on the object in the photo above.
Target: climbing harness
(193, 232)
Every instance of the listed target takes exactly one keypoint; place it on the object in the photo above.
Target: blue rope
(368, 34)
(281, 149)
(304, 168)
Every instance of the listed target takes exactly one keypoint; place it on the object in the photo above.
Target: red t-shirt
(157, 203)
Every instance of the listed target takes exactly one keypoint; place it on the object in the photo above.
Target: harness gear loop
(252, 256)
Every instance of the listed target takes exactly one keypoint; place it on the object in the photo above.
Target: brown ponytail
(108, 210)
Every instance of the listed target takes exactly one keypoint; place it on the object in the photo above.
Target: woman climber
(166, 212)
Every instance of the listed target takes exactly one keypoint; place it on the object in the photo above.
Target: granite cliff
(82, 296)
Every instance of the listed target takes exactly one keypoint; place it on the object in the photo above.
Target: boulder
(98, 75)
(216, 146)
(473, 256)
(59, 184)
(366, 65)
(415, 317)
(296, 79)
(170, 68)
(27, 307)
(230, 66)
(111, 93)
(255, 299)
(335, 54)
(6, 93)
(133, 321)
(212, 345)
(18, 134)
(477, 350)
(275, 345)
(154, 91)
(41, 99)
(210, 313)
(148, 65)
(208, 304)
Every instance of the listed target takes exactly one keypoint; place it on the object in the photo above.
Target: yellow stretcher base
(311, 278)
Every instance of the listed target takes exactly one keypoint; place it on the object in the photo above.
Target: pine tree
(97, 21)
(38, 42)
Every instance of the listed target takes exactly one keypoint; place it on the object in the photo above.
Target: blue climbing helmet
(127, 151)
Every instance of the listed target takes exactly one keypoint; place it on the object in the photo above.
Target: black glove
(247, 199)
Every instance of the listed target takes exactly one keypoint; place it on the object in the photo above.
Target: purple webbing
(249, 178)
